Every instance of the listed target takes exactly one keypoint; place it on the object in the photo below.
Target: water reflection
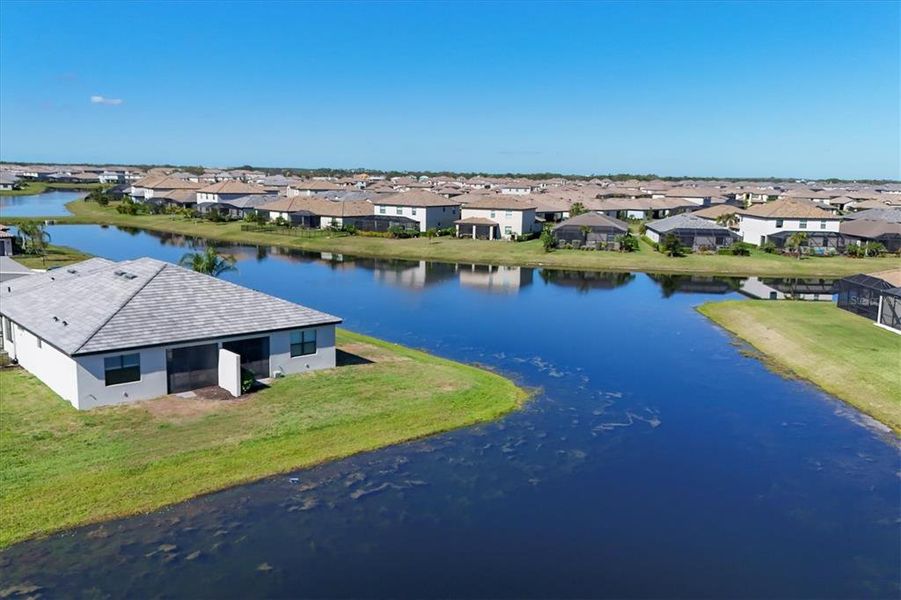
(654, 460)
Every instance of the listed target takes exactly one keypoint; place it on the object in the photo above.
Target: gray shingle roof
(684, 221)
(100, 306)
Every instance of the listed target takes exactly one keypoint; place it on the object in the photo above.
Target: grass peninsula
(60, 468)
(844, 354)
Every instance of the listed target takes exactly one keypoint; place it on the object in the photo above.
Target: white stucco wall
(55, 368)
(431, 217)
(753, 230)
(82, 382)
(518, 221)
(280, 352)
(92, 388)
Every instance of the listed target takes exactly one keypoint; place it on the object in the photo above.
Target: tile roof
(231, 187)
(788, 208)
(496, 201)
(685, 221)
(416, 198)
(100, 306)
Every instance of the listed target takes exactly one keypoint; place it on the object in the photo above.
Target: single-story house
(6, 241)
(496, 216)
(590, 227)
(693, 232)
(761, 223)
(881, 225)
(428, 209)
(8, 183)
(100, 332)
(876, 296)
(720, 212)
(236, 207)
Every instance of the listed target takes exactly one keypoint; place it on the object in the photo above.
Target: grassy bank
(844, 354)
(38, 187)
(60, 467)
(486, 252)
(57, 256)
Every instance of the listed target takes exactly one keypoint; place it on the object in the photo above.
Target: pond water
(656, 459)
(48, 204)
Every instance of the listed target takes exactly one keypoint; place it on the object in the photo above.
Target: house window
(802, 224)
(381, 210)
(124, 368)
(303, 342)
(822, 224)
(778, 223)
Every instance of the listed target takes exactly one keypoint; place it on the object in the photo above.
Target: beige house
(497, 216)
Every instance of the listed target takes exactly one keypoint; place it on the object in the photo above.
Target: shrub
(247, 380)
(628, 243)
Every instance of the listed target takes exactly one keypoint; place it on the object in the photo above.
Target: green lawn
(60, 467)
(846, 355)
(488, 252)
(56, 256)
(38, 187)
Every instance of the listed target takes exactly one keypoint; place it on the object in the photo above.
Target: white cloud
(105, 100)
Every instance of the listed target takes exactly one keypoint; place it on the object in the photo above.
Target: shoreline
(113, 462)
(822, 345)
(453, 250)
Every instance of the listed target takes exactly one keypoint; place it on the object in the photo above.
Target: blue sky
(738, 89)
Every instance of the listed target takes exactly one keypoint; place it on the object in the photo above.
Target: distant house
(496, 216)
(776, 221)
(146, 188)
(8, 183)
(227, 190)
(317, 212)
(237, 207)
(516, 188)
(693, 232)
(879, 225)
(428, 209)
(6, 241)
(876, 296)
(592, 228)
(101, 332)
(312, 187)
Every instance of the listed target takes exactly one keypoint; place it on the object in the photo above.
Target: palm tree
(729, 220)
(796, 241)
(35, 238)
(209, 262)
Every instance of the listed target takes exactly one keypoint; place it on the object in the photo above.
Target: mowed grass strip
(60, 467)
(844, 354)
(448, 249)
